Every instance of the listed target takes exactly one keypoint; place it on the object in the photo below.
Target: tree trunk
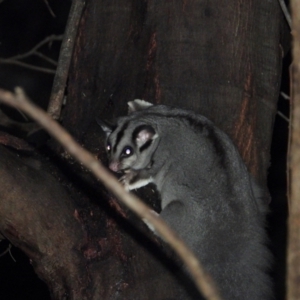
(221, 59)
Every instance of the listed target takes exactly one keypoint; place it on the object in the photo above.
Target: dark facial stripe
(146, 145)
(120, 135)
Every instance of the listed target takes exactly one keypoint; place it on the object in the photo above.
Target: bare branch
(46, 58)
(12, 257)
(8, 249)
(5, 251)
(50, 9)
(286, 13)
(279, 113)
(25, 65)
(202, 279)
(7, 122)
(61, 76)
(14, 142)
(275, 110)
(49, 39)
(285, 96)
(14, 60)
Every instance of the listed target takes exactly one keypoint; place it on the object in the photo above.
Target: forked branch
(15, 60)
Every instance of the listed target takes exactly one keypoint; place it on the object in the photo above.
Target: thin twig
(46, 58)
(50, 9)
(61, 76)
(48, 39)
(280, 114)
(284, 117)
(15, 60)
(285, 96)
(10, 254)
(286, 13)
(202, 279)
(5, 251)
(8, 249)
(27, 66)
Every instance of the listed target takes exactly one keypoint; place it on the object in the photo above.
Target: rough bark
(222, 60)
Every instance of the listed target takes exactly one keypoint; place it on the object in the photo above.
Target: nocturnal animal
(208, 197)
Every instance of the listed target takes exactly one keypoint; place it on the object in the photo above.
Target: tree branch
(8, 250)
(48, 39)
(25, 65)
(62, 71)
(286, 13)
(202, 279)
(14, 60)
(50, 9)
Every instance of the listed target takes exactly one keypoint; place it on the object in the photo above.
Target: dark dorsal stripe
(146, 145)
(120, 134)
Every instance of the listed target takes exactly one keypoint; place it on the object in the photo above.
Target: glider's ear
(138, 104)
(106, 126)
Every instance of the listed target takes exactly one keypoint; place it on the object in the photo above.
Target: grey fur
(207, 194)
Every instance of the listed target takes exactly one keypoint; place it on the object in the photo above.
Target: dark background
(23, 24)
